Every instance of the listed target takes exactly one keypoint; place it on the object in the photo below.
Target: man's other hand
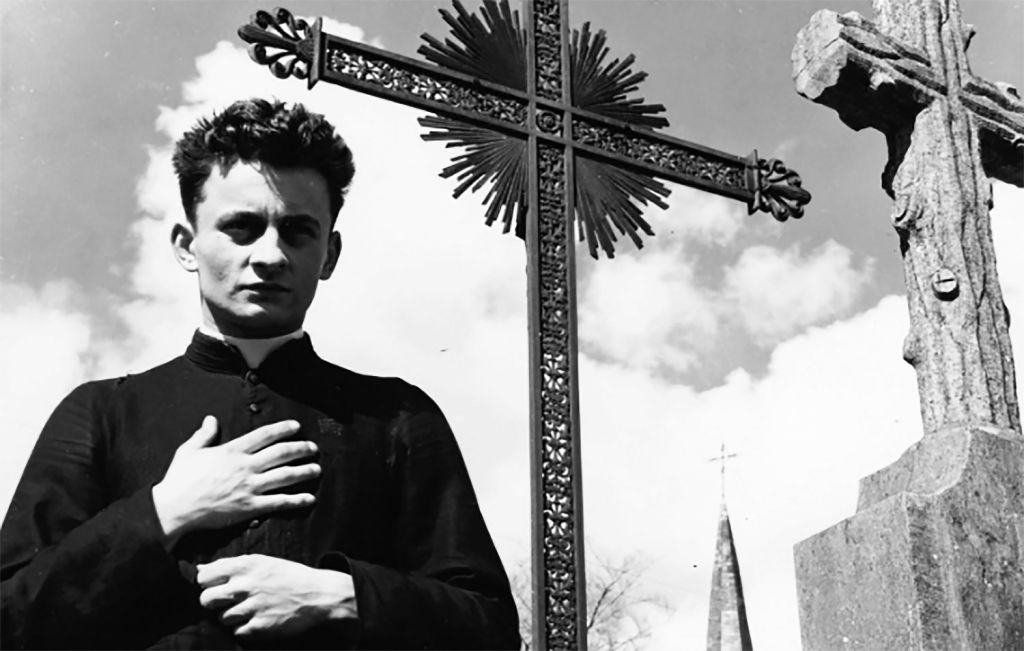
(264, 596)
(210, 487)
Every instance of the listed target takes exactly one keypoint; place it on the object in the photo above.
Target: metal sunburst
(492, 47)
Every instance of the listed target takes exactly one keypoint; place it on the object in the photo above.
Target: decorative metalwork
(605, 91)
(547, 34)
(599, 184)
(549, 122)
(690, 162)
(479, 84)
(492, 47)
(558, 473)
(505, 169)
(387, 75)
(281, 42)
(777, 189)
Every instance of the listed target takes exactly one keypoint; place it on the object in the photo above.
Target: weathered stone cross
(907, 76)
(932, 559)
(554, 132)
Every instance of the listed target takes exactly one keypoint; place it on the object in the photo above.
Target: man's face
(261, 242)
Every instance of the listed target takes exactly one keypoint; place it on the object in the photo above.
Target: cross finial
(721, 458)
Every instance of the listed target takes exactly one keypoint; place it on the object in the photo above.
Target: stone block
(934, 557)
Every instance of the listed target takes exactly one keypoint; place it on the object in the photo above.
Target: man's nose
(267, 250)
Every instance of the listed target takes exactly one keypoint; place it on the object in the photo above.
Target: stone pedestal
(933, 558)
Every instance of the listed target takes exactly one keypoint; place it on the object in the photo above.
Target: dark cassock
(85, 564)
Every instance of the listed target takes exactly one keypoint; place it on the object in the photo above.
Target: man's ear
(183, 241)
(333, 253)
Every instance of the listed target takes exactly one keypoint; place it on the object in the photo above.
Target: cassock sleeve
(448, 589)
(79, 571)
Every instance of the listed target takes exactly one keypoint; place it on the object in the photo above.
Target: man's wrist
(340, 594)
(171, 522)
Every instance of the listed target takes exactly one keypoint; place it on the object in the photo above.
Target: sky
(780, 341)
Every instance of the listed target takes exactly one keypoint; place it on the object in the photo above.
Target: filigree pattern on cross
(386, 75)
(548, 34)
(559, 550)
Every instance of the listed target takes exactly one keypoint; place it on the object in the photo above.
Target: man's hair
(257, 130)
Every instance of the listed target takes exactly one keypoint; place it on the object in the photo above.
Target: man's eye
(239, 228)
(296, 230)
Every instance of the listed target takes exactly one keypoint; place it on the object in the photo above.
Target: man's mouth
(265, 287)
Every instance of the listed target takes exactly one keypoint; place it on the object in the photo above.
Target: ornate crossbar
(307, 52)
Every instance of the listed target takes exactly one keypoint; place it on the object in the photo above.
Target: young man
(249, 493)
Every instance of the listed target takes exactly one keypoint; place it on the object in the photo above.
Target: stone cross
(552, 129)
(906, 74)
(933, 556)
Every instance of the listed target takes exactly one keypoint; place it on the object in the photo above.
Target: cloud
(778, 293)
(646, 311)
(661, 312)
(700, 218)
(45, 354)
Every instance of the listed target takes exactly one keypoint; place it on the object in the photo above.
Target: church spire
(727, 613)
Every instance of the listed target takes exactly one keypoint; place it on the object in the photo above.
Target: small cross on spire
(722, 458)
(727, 612)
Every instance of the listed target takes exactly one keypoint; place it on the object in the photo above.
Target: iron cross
(550, 128)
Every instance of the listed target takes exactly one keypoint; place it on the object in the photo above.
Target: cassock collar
(218, 356)
(253, 350)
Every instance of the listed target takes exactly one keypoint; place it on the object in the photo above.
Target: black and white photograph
(486, 324)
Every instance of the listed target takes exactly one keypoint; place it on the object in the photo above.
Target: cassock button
(254, 523)
(251, 378)
(254, 408)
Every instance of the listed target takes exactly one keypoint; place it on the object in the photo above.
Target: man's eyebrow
(302, 217)
(238, 214)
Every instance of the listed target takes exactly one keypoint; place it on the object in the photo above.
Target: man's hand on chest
(212, 487)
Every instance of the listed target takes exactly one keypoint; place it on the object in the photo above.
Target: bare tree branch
(619, 605)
